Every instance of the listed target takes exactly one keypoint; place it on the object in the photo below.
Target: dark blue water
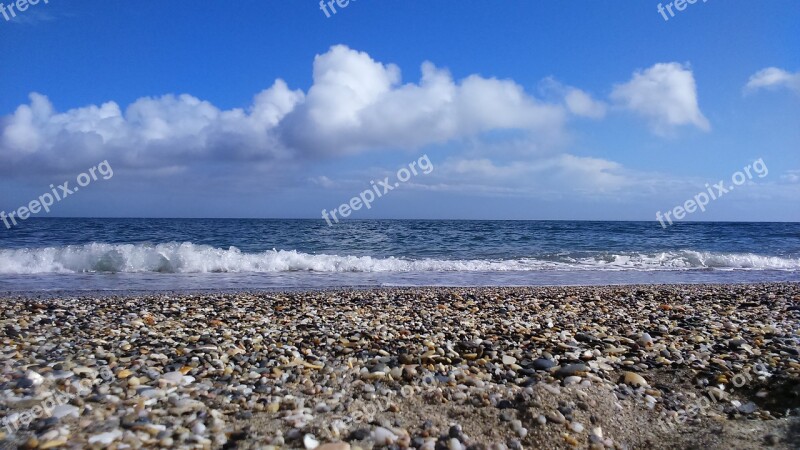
(187, 254)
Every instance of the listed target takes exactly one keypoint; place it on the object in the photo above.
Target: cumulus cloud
(355, 104)
(664, 94)
(151, 132)
(774, 78)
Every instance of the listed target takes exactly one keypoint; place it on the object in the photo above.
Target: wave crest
(192, 258)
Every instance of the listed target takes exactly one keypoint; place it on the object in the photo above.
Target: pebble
(105, 438)
(53, 443)
(454, 444)
(514, 444)
(543, 364)
(384, 437)
(61, 411)
(747, 408)
(635, 380)
(334, 446)
(310, 442)
(572, 370)
(172, 378)
(509, 360)
(556, 417)
(196, 370)
(359, 434)
(34, 378)
(541, 419)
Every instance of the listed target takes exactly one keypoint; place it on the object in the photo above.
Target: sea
(188, 255)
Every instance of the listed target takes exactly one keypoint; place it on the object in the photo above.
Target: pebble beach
(615, 367)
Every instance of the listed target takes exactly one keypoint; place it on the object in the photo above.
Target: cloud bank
(355, 104)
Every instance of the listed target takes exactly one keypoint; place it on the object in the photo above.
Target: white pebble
(430, 444)
(199, 428)
(382, 436)
(171, 378)
(454, 444)
(105, 438)
(35, 378)
(64, 411)
(310, 442)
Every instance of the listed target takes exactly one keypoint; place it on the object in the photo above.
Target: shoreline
(617, 366)
(309, 280)
(108, 293)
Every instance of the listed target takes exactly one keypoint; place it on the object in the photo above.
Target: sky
(582, 110)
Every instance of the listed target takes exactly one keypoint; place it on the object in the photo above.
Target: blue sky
(527, 110)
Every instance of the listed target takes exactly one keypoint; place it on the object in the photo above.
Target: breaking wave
(192, 258)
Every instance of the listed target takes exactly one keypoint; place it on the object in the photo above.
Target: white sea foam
(192, 258)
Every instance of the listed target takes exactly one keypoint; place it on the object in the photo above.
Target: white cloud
(582, 104)
(576, 101)
(563, 173)
(774, 78)
(791, 176)
(665, 94)
(323, 181)
(355, 104)
(152, 132)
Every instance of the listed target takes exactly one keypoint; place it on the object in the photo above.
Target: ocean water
(51, 254)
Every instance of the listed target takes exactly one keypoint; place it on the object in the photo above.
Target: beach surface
(686, 366)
